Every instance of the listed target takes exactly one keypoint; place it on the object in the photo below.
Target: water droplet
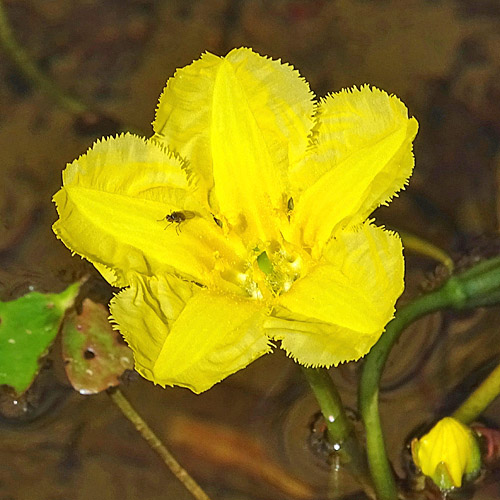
(125, 361)
(88, 371)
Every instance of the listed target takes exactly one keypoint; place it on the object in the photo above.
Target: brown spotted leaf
(94, 354)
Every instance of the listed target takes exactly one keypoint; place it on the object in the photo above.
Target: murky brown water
(246, 438)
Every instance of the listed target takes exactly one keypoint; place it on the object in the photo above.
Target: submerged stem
(424, 247)
(340, 428)
(29, 69)
(480, 399)
(339, 425)
(380, 468)
(154, 442)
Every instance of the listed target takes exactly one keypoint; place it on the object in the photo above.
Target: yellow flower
(244, 220)
(447, 453)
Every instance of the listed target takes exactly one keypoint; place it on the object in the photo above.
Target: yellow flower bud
(447, 453)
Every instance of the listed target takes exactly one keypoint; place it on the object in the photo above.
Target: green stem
(30, 70)
(475, 287)
(380, 468)
(480, 399)
(146, 432)
(340, 427)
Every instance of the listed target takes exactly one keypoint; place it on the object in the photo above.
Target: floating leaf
(28, 326)
(94, 354)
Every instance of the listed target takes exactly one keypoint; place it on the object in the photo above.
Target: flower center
(277, 270)
(270, 268)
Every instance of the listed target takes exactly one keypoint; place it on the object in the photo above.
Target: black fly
(178, 217)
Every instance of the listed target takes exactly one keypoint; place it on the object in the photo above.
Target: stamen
(265, 264)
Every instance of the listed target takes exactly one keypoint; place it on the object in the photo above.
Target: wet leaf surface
(28, 326)
(94, 354)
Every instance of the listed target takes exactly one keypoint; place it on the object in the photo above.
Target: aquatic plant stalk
(339, 425)
(154, 442)
(380, 467)
(422, 246)
(340, 428)
(480, 399)
(29, 69)
(477, 286)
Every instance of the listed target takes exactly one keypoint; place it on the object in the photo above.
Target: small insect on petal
(177, 217)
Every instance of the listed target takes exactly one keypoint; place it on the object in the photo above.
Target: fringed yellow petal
(111, 209)
(349, 296)
(280, 100)
(363, 156)
(215, 336)
(193, 341)
(248, 186)
(255, 127)
(145, 312)
(248, 115)
(318, 344)
(372, 257)
(184, 115)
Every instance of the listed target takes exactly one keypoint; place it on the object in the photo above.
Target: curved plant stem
(145, 431)
(380, 468)
(340, 428)
(477, 286)
(29, 69)
(420, 245)
(480, 399)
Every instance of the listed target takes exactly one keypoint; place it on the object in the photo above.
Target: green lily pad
(94, 354)
(28, 326)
